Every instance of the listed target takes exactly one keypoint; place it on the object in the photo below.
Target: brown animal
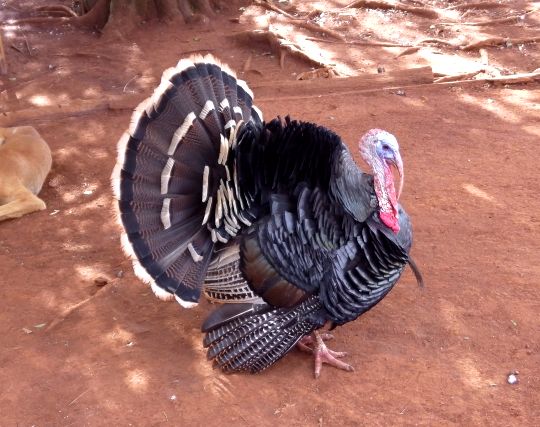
(25, 161)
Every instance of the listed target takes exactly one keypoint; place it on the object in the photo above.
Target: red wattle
(390, 220)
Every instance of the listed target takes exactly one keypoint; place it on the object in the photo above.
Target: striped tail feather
(257, 338)
(174, 175)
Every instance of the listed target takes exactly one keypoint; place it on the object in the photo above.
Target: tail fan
(174, 175)
(257, 338)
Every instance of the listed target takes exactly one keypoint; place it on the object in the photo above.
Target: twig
(129, 81)
(435, 41)
(497, 41)
(457, 77)
(359, 43)
(78, 397)
(391, 5)
(27, 46)
(408, 51)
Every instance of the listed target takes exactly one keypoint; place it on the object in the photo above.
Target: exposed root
(435, 41)
(56, 10)
(300, 22)
(498, 41)
(95, 19)
(393, 5)
(280, 44)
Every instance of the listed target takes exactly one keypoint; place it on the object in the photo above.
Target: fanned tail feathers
(257, 339)
(174, 177)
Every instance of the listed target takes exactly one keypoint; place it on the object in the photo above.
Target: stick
(390, 5)
(457, 77)
(513, 79)
(78, 397)
(359, 43)
(497, 41)
(3, 62)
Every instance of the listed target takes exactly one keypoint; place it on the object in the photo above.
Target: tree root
(95, 19)
(56, 9)
(280, 45)
(300, 22)
(392, 5)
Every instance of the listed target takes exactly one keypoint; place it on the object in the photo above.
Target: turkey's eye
(386, 147)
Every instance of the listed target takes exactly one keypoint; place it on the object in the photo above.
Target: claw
(322, 353)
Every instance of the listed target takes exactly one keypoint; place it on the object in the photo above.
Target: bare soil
(83, 342)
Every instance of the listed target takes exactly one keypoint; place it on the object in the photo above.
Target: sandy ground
(75, 353)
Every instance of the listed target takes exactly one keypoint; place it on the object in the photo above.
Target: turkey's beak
(398, 163)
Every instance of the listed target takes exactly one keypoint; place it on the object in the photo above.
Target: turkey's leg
(322, 353)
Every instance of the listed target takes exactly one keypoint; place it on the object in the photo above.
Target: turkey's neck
(352, 188)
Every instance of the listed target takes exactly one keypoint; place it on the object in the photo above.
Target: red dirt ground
(74, 353)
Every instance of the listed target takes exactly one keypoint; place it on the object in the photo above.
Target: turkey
(274, 217)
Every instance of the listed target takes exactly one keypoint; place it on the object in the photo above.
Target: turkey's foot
(322, 353)
(308, 342)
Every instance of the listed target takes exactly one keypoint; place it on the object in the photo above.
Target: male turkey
(274, 216)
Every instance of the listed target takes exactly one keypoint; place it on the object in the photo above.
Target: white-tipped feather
(166, 213)
(224, 104)
(185, 304)
(244, 86)
(218, 212)
(155, 99)
(229, 124)
(186, 63)
(126, 246)
(209, 106)
(121, 148)
(258, 112)
(141, 273)
(181, 132)
(207, 211)
(213, 234)
(196, 257)
(238, 110)
(115, 180)
(139, 111)
(169, 73)
(162, 294)
(206, 172)
(223, 150)
(166, 175)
